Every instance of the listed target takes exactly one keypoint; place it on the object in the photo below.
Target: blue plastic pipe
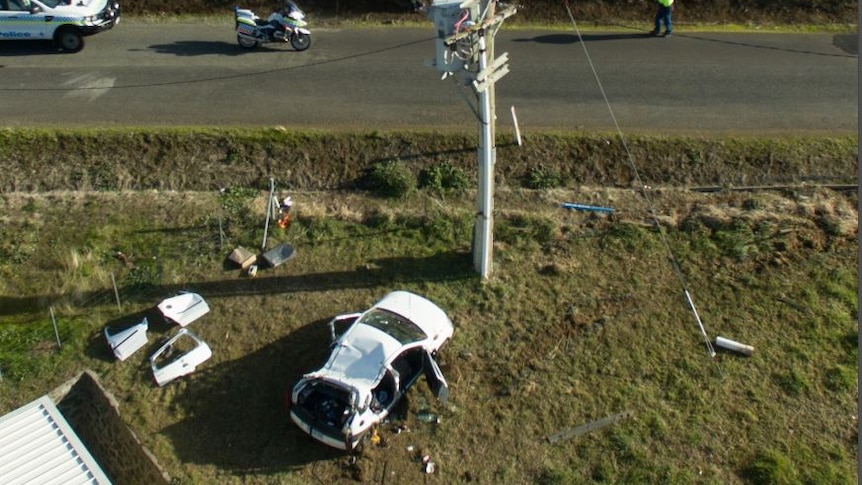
(582, 207)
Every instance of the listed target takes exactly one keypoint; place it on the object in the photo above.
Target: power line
(643, 187)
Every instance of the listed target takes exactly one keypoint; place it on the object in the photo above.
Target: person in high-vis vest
(665, 9)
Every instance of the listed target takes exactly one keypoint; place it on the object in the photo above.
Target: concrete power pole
(465, 49)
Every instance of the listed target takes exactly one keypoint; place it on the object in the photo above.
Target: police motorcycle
(285, 25)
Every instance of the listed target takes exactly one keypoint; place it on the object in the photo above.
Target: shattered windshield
(395, 326)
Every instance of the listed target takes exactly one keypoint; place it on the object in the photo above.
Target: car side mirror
(34, 9)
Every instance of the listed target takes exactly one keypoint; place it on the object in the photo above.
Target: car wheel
(68, 39)
(245, 42)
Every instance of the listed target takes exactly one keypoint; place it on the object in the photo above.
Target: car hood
(88, 7)
(421, 311)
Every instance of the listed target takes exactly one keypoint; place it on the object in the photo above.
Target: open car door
(435, 379)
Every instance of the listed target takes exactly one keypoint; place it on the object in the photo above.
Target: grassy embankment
(583, 318)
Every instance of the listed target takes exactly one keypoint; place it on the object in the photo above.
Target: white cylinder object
(735, 346)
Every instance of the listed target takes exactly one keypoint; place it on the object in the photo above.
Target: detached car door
(435, 379)
(179, 356)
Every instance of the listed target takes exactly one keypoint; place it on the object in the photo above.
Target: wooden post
(517, 128)
(116, 292)
(54, 323)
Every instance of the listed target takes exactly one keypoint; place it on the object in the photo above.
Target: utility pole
(465, 49)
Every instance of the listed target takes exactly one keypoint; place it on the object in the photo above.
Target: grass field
(583, 318)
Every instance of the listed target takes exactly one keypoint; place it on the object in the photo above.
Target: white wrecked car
(372, 365)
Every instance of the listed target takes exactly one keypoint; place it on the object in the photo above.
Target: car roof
(419, 310)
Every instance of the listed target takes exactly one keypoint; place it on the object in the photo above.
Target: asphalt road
(196, 74)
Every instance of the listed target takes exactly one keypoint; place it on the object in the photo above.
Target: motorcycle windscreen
(434, 377)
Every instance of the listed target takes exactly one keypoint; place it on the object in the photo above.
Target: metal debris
(586, 428)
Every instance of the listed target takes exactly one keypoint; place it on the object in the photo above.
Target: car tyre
(69, 39)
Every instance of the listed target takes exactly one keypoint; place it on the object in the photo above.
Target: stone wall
(95, 416)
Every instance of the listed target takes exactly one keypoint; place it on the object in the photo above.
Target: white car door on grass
(127, 341)
(179, 356)
(184, 308)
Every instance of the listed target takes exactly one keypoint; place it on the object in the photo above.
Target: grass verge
(201, 159)
(584, 316)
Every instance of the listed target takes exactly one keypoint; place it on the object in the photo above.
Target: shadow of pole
(845, 42)
(450, 266)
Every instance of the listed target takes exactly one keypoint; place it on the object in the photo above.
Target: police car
(66, 22)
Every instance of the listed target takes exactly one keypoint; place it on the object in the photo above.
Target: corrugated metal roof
(37, 446)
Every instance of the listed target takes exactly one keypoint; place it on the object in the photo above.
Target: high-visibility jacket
(665, 3)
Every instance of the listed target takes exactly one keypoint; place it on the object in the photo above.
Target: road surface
(195, 74)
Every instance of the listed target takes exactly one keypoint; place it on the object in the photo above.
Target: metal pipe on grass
(734, 346)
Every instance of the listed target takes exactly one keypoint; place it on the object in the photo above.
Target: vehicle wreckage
(181, 353)
(371, 367)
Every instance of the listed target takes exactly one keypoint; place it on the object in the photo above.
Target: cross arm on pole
(496, 19)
